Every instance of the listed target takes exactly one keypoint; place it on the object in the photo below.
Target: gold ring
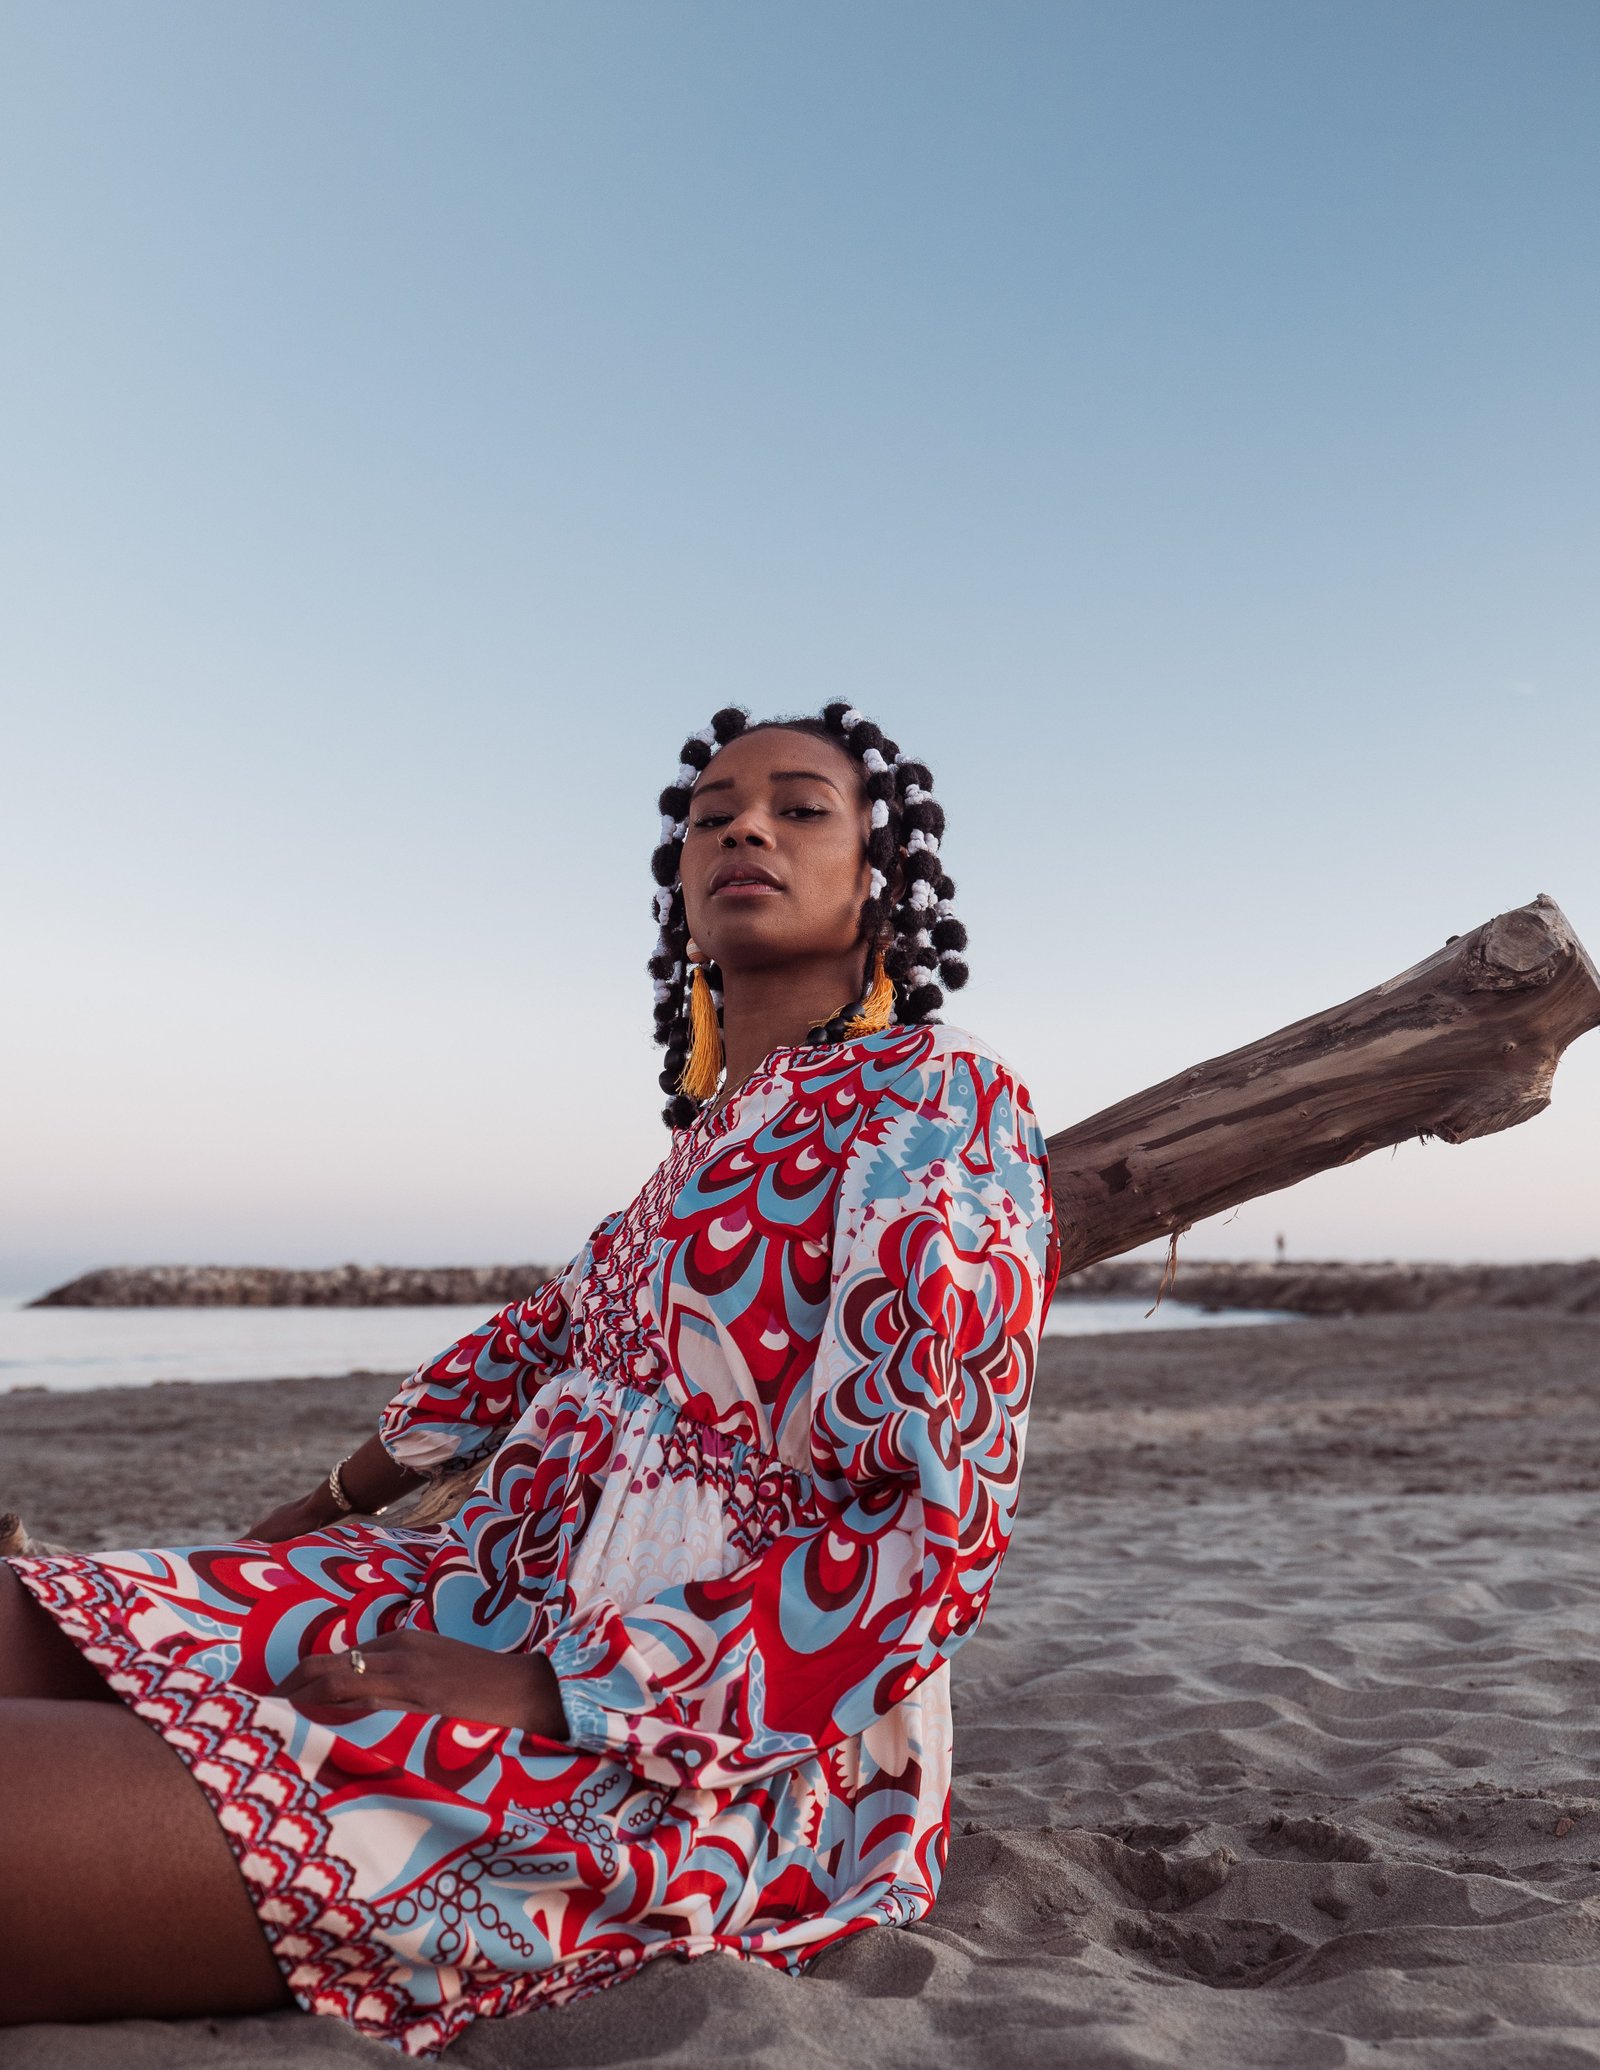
(357, 1659)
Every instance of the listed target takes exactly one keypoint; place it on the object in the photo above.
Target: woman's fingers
(314, 1669)
(392, 1643)
(380, 1655)
(324, 1679)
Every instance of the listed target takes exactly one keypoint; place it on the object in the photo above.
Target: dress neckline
(770, 1067)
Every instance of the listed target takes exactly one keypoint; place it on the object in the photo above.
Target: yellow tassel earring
(877, 1009)
(702, 1068)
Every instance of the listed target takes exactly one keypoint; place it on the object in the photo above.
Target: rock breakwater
(272, 1286)
(1384, 1287)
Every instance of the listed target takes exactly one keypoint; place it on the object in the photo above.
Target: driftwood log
(1461, 1045)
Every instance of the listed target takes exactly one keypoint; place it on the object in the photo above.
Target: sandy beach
(1278, 1747)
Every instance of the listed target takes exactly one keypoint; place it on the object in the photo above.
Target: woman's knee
(36, 1659)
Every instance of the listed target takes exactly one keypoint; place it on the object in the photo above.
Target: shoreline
(1489, 1402)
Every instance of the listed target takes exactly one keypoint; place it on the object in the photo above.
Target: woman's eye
(721, 819)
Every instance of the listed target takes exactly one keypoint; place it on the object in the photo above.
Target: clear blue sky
(1177, 422)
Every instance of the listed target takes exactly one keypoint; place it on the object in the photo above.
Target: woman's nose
(748, 828)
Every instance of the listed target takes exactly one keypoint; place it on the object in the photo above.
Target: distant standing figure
(676, 1677)
(1283, 1247)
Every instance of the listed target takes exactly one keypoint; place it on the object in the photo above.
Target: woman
(675, 1678)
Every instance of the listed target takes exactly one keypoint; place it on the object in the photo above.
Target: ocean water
(69, 1349)
(1099, 1318)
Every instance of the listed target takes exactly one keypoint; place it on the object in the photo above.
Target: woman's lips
(746, 887)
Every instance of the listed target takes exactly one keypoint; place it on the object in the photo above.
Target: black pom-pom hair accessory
(908, 914)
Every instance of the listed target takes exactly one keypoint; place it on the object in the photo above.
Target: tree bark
(1459, 1046)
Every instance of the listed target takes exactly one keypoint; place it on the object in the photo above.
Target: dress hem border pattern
(328, 1944)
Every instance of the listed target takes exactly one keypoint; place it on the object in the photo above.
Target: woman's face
(774, 864)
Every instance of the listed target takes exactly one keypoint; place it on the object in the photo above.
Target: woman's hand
(422, 1671)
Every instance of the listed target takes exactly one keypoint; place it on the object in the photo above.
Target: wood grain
(1461, 1045)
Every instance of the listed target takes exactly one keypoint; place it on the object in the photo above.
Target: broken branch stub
(1461, 1045)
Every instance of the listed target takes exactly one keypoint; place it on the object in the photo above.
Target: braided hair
(907, 913)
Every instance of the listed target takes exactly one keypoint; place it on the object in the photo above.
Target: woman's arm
(451, 1410)
(454, 1408)
(369, 1477)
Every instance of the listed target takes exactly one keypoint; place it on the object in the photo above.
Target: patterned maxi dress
(750, 1466)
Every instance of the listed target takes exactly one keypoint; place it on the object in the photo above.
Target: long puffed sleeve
(943, 1264)
(454, 1408)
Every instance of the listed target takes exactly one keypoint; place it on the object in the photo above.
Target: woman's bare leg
(119, 1896)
